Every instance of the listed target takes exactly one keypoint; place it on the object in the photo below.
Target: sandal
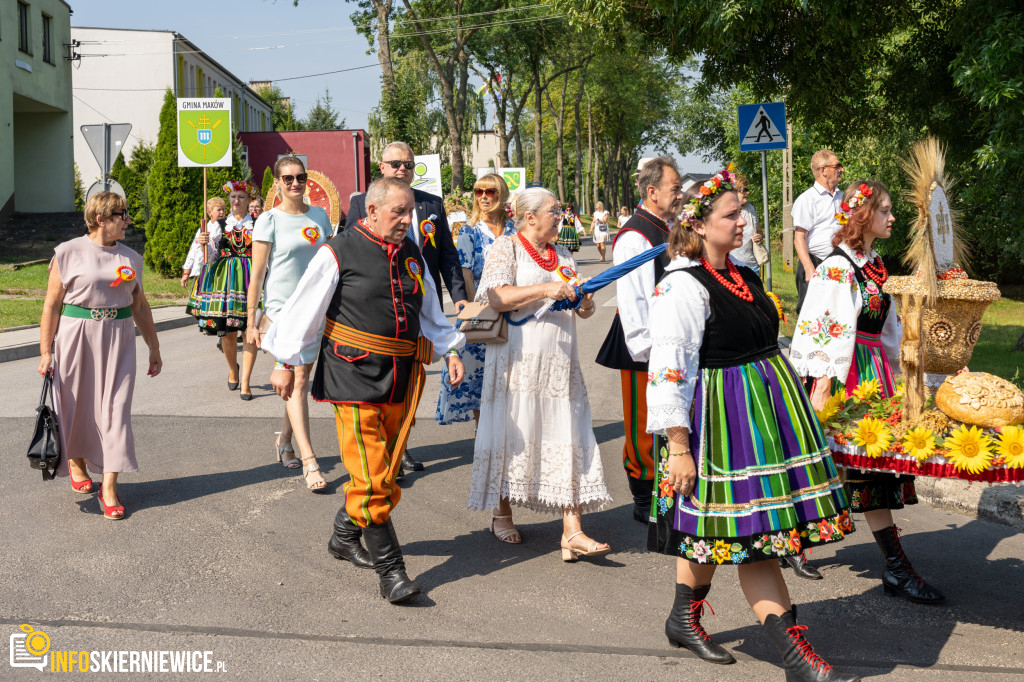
(111, 512)
(570, 553)
(84, 487)
(504, 534)
(288, 462)
(314, 479)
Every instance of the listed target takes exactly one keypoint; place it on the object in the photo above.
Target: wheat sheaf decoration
(937, 249)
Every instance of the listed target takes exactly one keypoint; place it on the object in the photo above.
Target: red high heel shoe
(84, 487)
(111, 512)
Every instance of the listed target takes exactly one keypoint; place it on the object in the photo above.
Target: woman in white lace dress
(535, 446)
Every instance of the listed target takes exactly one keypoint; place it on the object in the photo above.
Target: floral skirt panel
(457, 405)
(569, 238)
(876, 490)
(219, 299)
(766, 483)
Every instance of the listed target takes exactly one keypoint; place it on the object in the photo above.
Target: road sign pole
(767, 239)
(106, 157)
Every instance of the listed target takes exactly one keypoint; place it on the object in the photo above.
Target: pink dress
(94, 360)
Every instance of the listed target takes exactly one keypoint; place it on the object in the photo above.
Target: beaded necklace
(877, 271)
(549, 262)
(739, 289)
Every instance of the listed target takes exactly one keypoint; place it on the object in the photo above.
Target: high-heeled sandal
(288, 462)
(311, 472)
(84, 487)
(570, 553)
(505, 533)
(111, 512)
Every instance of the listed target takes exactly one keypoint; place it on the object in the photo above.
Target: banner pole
(767, 240)
(202, 223)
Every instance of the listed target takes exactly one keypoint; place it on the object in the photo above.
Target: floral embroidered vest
(875, 303)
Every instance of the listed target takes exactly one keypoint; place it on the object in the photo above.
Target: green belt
(96, 313)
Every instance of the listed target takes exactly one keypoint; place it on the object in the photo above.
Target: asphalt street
(223, 550)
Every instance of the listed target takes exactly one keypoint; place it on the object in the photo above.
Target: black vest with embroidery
(377, 295)
(614, 352)
(875, 303)
(737, 331)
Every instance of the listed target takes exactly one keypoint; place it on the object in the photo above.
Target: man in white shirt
(814, 218)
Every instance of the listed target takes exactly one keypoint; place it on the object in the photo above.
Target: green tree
(79, 191)
(282, 116)
(323, 115)
(268, 181)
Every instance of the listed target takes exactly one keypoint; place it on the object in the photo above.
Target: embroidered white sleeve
(631, 294)
(678, 312)
(827, 329)
(435, 326)
(299, 323)
(892, 337)
(499, 268)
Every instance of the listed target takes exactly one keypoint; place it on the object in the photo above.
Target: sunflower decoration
(1011, 446)
(969, 449)
(831, 408)
(873, 435)
(778, 307)
(867, 390)
(919, 443)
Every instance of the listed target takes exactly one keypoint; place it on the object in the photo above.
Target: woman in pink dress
(94, 301)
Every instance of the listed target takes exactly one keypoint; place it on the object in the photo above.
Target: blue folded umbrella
(609, 276)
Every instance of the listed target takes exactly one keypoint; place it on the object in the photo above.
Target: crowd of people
(725, 458)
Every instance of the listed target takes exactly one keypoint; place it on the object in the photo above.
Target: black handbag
(44, 450)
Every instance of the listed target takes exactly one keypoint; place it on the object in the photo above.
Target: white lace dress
(535, 444)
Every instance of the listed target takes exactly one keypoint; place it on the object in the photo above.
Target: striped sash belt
(874, 340)
(421, 351)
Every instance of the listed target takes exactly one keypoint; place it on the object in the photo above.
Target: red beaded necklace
(740, 288)
(878, 273)
(549, 262)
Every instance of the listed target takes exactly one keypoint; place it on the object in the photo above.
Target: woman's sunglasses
(289, 179)
(489, 191)
(122, 214)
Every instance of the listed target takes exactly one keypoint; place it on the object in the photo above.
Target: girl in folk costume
(219, 298)
(571, 228)
(747, 475)
(849, 334)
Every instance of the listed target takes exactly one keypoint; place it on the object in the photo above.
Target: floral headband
(239, 186)
(724, 180)
(856, 201)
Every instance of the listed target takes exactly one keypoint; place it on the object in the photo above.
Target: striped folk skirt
(569, 238)
(219, 299)
(766, 483)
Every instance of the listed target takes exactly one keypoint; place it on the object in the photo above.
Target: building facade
(36, 170)
(124, 74)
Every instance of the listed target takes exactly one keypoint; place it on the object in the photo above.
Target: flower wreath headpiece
(724, 180)
(847, 208)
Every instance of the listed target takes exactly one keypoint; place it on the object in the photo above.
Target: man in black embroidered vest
(429, 230)
(628, 343)
(382, 322)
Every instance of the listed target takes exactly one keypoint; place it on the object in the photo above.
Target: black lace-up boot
(800, 566)
(798, 658)
(900, 579)
(683, 626)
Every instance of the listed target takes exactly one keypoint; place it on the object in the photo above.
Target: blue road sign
(762, 126)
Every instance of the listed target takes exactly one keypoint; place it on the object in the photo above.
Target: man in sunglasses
(429, 230)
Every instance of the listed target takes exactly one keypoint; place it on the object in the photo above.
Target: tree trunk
(587, 183)
(597, 173)
(538, 113)
(579, 150)
(559, 117)
(383, 8)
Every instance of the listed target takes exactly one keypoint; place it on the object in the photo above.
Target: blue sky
(269, 40)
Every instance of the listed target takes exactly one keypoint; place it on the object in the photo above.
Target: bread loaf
(981, 399)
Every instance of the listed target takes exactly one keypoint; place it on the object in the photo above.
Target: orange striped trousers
(372, 440)
(638, 450)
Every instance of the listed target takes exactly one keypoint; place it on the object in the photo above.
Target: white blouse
(301, 320)
(827, 329)
(195, 253)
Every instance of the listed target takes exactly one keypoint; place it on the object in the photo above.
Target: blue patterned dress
(457, 405)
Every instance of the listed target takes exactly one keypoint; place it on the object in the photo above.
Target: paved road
(223, 551)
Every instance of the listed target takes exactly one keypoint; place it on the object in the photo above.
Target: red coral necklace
(549, 262)
(740, 288)
(876, 271)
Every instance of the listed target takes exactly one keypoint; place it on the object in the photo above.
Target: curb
(1003, 504)
(31, 350)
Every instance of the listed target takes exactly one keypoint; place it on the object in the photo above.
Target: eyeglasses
(289, 179)
(400, 164)
(556, 212)
(832, 165)
(489, 191)
(122, 214)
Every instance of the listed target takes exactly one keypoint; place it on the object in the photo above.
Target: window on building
(47, 42)
(24, 41)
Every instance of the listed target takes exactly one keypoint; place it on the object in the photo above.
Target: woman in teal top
(285, 239)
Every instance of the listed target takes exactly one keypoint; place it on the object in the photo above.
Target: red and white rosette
(412, 266)
(428, 229)
(123, 273)
(311, 233)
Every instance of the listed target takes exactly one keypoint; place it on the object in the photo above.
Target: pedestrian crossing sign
(204, 131)
(762, 126)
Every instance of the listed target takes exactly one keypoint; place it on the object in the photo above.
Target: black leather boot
(345, 544)
(411, 463)
(798, 658)
(800, 566)
(386, 554)
(900, 579)
(642, 492)
(684, 630)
